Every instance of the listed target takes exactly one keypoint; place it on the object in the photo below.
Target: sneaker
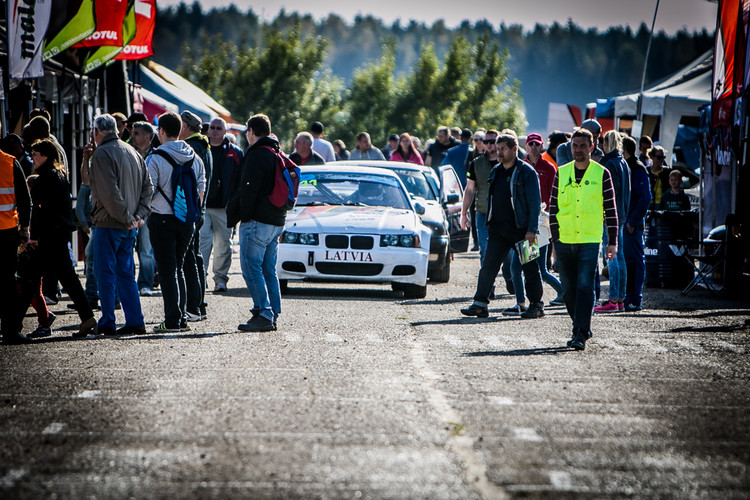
(132, 330)
(475, 310)
(162, 328)
(257, 324)
(41, 331)
(516, 310)
(621, 306)
(193, 317)
(16, 339)
(557, 301)
(220, 288)
(608, 307)
(146, 292)
(535, 310)
(633, 308)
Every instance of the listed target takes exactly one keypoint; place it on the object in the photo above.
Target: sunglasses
(216, 128)
(478, 139)
(489, 141)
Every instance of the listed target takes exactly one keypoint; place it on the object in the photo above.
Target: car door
(452, 199)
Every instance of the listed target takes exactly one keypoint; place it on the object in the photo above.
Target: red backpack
(286, 181)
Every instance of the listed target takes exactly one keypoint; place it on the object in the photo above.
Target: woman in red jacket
(406, 151)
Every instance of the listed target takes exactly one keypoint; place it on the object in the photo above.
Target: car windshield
(416, 184)
(344, 188)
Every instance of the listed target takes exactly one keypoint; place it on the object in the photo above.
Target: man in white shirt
(320, 145)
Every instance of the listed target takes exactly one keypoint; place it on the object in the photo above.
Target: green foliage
(556, 63)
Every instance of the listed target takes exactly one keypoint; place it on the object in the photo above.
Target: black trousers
(9, 240)
(498, 246)
(195, 277)
(52, 256)
(170, 239)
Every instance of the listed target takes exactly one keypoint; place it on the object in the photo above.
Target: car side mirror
(451, 199)
(419, 208)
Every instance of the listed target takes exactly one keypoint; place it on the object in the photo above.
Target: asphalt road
(362, 394)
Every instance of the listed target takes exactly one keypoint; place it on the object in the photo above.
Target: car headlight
(400, 240)
(299, 238)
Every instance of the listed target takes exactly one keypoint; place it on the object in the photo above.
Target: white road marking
(689, 346)
(561, 480)
(88, 394)
(501, 401)
(453, 340)
(730, 347)
(53, 428)
(332, 337)
(526, 434)
(12, 477)
(292, 337)
(494, 341)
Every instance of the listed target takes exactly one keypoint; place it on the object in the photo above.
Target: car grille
(362, 242)
(340, 241)
(337, 241)
(348, 269)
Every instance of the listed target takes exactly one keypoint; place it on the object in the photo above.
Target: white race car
(354, 224)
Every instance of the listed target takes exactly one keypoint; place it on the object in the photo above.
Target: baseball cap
(592, 126)
(191, 119)
(534, 138)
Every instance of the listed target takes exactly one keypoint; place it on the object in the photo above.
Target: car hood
(349, 219)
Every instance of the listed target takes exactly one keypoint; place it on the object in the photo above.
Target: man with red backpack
(261, 224)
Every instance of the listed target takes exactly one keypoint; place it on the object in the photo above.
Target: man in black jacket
(195, 278)
(261, 224)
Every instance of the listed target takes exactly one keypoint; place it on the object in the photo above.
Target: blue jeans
(145, 259)
(113, 257)
(577, 265)
(170, 239)
(635, 261)
(618, 273)
(513, 264)
(259, 246)
(91, 290)
(541, 263)
(482, 235)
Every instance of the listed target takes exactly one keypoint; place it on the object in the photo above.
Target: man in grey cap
(195, 277)
(564, 153)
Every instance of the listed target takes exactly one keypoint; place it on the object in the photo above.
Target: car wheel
(284, 286)
(443, 273)
(414, 291)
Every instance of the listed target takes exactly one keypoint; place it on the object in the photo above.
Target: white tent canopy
(679, 95)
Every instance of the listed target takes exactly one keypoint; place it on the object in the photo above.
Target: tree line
(412, 78)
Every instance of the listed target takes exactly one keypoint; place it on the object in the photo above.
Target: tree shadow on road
(535, 351)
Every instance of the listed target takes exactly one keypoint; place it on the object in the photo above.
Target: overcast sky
(673, 14)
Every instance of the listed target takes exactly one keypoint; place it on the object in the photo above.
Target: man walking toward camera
(513, 209)
(582, 201)
(261, 224)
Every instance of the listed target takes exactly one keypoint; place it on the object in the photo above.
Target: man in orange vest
(15, 213)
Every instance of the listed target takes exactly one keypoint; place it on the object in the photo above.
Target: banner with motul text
(140, 47)
(110, 15)
(27, 26)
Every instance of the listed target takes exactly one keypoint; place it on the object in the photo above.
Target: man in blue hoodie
(261, 224)
(170, 236)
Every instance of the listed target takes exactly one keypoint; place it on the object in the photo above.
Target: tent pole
(645, 63)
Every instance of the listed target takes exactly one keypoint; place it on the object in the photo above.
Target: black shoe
(41, 331)
(257, 324)
(16, 339)
(475, 310)
(109, 332)
(578, 342)
(132, 330)
(534, 311)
